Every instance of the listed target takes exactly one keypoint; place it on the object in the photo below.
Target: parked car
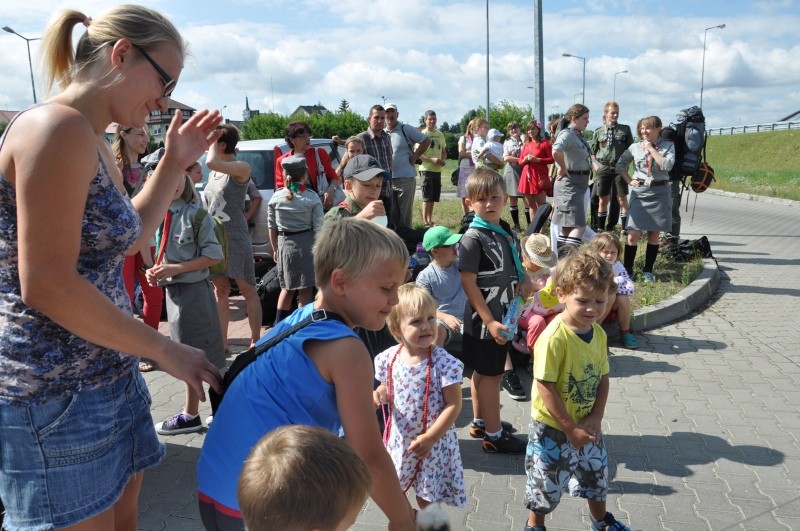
(261, 155)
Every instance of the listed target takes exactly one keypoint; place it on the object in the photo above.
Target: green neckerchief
(480, 223)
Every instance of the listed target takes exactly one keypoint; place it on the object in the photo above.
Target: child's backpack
(242, 360)
(219, 231)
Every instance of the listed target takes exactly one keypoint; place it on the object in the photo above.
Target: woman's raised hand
(184, 143)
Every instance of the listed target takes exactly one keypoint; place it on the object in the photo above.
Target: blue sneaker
(609, 523)
(648, 277)
(629, 340)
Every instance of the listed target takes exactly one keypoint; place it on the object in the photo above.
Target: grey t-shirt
(445, 286)
(402, 150)
(488, 254)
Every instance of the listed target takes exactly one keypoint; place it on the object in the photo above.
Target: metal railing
(755, 128)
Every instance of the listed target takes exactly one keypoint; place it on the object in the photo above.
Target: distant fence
(757, 128)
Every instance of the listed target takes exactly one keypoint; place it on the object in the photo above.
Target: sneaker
(610, 523)
(505, 444)
(209, 420)
(180, 423)
(629, 340)
(648, 277)
(479, 432)
(513, 386)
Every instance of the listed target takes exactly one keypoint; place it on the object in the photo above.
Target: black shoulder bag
(249, 356)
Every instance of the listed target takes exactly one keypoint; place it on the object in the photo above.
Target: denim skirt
(69, 459)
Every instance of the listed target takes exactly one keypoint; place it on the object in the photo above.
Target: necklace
(390, 398)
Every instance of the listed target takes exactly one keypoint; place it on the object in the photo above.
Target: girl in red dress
(536, 155)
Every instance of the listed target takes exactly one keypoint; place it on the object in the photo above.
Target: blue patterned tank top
(40, 360)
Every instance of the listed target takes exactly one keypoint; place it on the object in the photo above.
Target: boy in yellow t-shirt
(570, 370)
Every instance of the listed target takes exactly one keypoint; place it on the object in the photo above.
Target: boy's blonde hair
(353, 245)
(415, 301)
(583, 268)
(482, 182)
(301, 477)
(603, 240)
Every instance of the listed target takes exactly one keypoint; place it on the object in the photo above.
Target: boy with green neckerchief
(491, 275)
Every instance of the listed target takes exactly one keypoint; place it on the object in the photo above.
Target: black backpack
(690, 139)
(249, 356)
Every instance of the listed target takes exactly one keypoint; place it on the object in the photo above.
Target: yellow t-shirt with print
(573, 365)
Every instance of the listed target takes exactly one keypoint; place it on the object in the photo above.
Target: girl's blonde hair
(189, 194)
(603, 240)
(415, 301)
(144, 27)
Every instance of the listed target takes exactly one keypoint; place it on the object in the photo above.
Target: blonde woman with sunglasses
(75, 428)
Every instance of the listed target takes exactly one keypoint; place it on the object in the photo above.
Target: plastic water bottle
(511, 318)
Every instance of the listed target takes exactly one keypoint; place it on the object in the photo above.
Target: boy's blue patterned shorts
(553, 465)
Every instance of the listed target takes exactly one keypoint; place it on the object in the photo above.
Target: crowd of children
(290, 407)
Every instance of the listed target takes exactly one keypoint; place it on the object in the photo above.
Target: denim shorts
(70, 459)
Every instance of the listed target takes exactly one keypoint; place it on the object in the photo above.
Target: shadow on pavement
(674, 455)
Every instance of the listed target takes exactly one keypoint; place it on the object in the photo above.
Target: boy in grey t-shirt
(443, 281)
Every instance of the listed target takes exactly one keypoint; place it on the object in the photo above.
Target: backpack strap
(249, 356)
(197, 221)
(315, 317)
(403, 132)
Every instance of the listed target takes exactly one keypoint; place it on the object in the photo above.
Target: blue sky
(430, 54)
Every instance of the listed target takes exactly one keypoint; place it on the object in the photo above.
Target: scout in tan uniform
(609, 142)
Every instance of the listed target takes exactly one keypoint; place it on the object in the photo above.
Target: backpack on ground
(268, 289)
(219, 231)
(688, 250)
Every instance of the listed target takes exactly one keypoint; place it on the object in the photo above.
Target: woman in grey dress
(573, 160)
(650, 201)
(511, 172)
(225, 194)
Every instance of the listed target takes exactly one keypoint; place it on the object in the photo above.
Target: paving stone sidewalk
(702, 423)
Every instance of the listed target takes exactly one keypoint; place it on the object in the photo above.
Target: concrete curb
(681, 304)
(753, 197)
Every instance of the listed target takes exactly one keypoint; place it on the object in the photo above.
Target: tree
(502, 113)
(445, 127)
(3, 126)
(344, 106)
(267, 125)
(272, 125)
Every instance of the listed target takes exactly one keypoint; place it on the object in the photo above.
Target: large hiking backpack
(690, 130)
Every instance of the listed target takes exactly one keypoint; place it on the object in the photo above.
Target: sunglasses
(166, 79)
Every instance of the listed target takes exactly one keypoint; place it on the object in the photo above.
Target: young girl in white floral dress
(421, 384)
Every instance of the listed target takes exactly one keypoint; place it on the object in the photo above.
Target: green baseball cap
(439, 236)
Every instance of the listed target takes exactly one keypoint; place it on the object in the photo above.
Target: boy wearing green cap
(443, 281)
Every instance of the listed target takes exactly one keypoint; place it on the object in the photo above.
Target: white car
(261, 155)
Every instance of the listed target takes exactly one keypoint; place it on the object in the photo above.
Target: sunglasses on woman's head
(166, 79)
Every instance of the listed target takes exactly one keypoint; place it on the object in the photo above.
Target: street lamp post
(575, 97)
(30, 63)
(703, 70)
(614, 97)
(583, 98)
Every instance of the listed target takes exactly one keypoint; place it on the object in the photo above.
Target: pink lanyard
(390, 392)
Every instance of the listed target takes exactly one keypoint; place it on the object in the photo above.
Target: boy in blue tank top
(320, 376)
